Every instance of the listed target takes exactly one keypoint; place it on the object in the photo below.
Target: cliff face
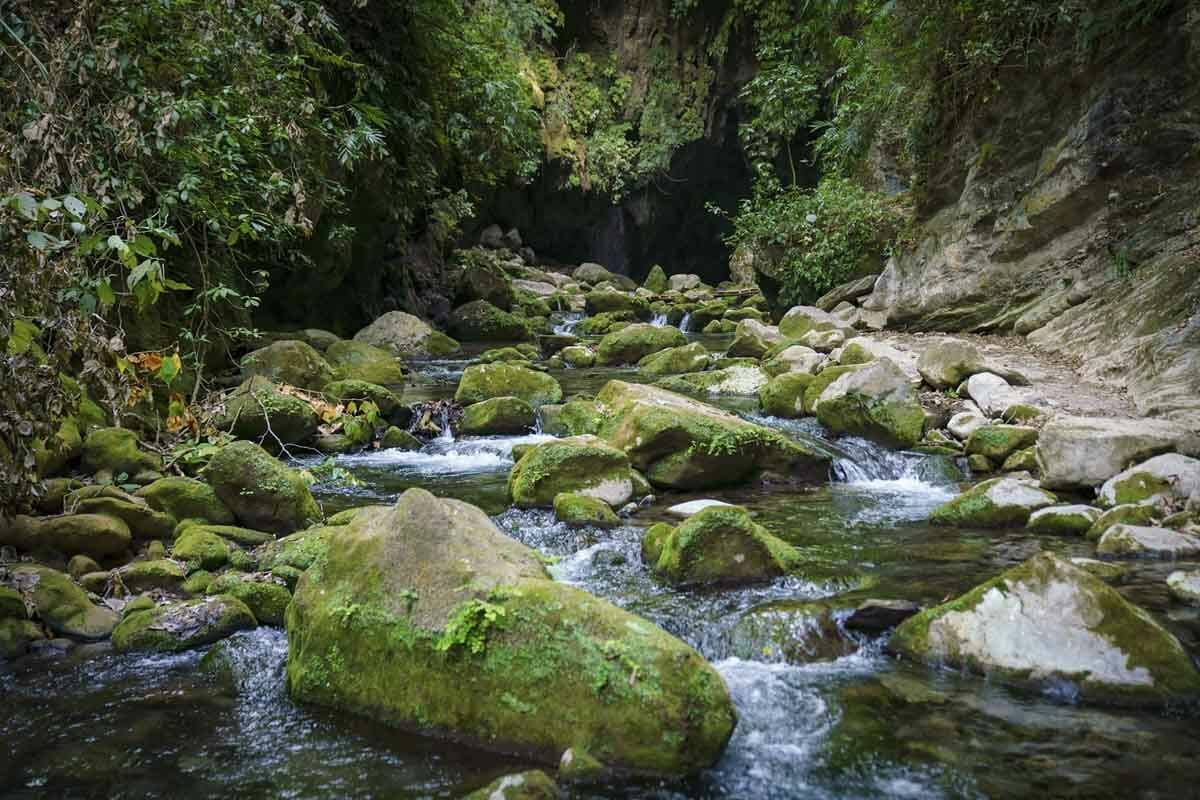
(1068, 211)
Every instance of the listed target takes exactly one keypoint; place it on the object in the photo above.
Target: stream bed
(835, 717)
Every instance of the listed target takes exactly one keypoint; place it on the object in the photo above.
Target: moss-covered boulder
(783, 396)
(823, 380)
(1022, 461)
(736, 380)
(243, 537)
(182, 625)
(789, 632)
(575, 418)
(186, 498)
(354, 391)
(656, 280)
(61, 605)
(753, 339)
(1167, 477)
(360, 361)
(1125, 514)
(427, 617)
(681, 443)
(630, 345)
(503, 354)
(480, 321)
(498, 417)
(998, 442)
(604, 323)
(487, 381)
(578, 356)
(1141, 541)
(801, 320)
(201, 548)
(876, 401)
(291, 362)
(1063, 520)
(266, 597)
(116, 450)
(407, 337)
(398, 439)
(60, 450)
(302, 549)
(676, 360)
(581, 465)
(793, 358)
(143, 521)
(262, 493)
(16, 636)
(603, 301)
(94, 535)
(1049, 622)
(258, 410)
(721, 544)
(995, 503)
(158, 573)
(578, 509)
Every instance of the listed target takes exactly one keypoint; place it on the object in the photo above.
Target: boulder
(692, 357)
(741, 380)
(359, 361)
(947, 362)
(428, 617)
(876, 616)
(1185, 586)
(876, 401)
(998, 442)
(684, 282)
(354, 391)
(1063, 520)
(789, 633)
(143, 521)
(823, 341)
(498, 417)
(201, 548)
(1047, 621)
(481, 382)
(582, 465)
(536, 288)
(158, 573)
(633, 343)
(578, 355)
(1133, 541)
(864, 350)
(1129, 514)
(783, 396)
(1024, 460)
(480, 321)
(182, 625)
(406, 336)
(262, 493)
(719, 545)
(116, 450)
(753, 339)
(995, 503)
(578, 509)
(531, 785)
(1167, 477)
(257, 410)
(482, 277)
(680, 443)
(291, 362)
(93, 535)
(590, 272)
(693, 507)
(801, 320)
(398, 439)
(992, 394)
(656, 280)
(186, 498)
(61, 605)
(510, 354)
(266, 598)
(1082, 452)
(603, 301)
(794, 358)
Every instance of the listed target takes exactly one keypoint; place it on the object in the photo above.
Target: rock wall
(1067, 210)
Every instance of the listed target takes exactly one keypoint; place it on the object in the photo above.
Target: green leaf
(146, 269)
(27, 205)
(50, 204)
(90, 244)
(75, 207)
(175, 286)
(39, 241)
(170, 368)
(106, 294)
(143, 246)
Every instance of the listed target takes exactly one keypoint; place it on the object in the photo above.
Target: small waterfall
(447, 434)
(859, 461)
(685, 324)
(569, 322)
(659, 321)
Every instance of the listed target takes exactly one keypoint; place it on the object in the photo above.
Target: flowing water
(835, 718)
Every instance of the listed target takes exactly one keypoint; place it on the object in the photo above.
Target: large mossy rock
(1141, 541)
(1083, 452)
(93, 535)
(753, 339)
(792, 358)
(578, 509)
(603, 301)
(633, 343)
(498, 417)
(876, 401)
(482, 382)
(1047, 621)
(186, 498)
(182, 625)
(692, 357)
(143, 521)
(656, 280)
(156, 573)
(61, 605)
(1073, 520)
(116, 450)
(258, 410)
(995, 503)
(262, 493)
(719, 545)
(266, 598)
(1169, 477)
(201, 548)
(361, 361)
(480, 321)
(738, 380)
(291, 362)
(582, 465)
(998, 442)
(353, 391)
(407, 337)
(783, 396)
(947, 362)
(681, 443)
(427, 617)
(801, 320)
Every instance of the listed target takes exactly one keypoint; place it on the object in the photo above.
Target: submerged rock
(583, 465)
(720, 544)
(262, 493)
(875, 616)
(1049, 621)
(790, 633)
(532, 785)
(182, 625)
(876, 401)
(487, 381)
(427, 617)
(1082, 452)
(681, 443)
(995, 503)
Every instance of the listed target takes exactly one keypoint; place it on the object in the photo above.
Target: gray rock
(823, 341)
(800, 320)
(1169, 476)
(1063, 520)
(753, 339)
(995, 503)
(1082, 452)
(1136, 540)
(851, 290)
(492, 237)
(876, 401)
(406, 336)
(1185, 586)
(683, 282)
(796, 358)
(692, 507)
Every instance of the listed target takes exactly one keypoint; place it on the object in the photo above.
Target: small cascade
(568, 323)
(859, 461)
(659, 321)
(447, 434)
(685, 324)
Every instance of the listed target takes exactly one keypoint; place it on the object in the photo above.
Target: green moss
(783, 396)
(575, 509)
(482, 382)
(202, 548)
(498, 416)
(998, 442)
(186, 498)
(568, 465)
(266, 599)
(363, 363)
(720, 545)
(630, 345)
(182, 625)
